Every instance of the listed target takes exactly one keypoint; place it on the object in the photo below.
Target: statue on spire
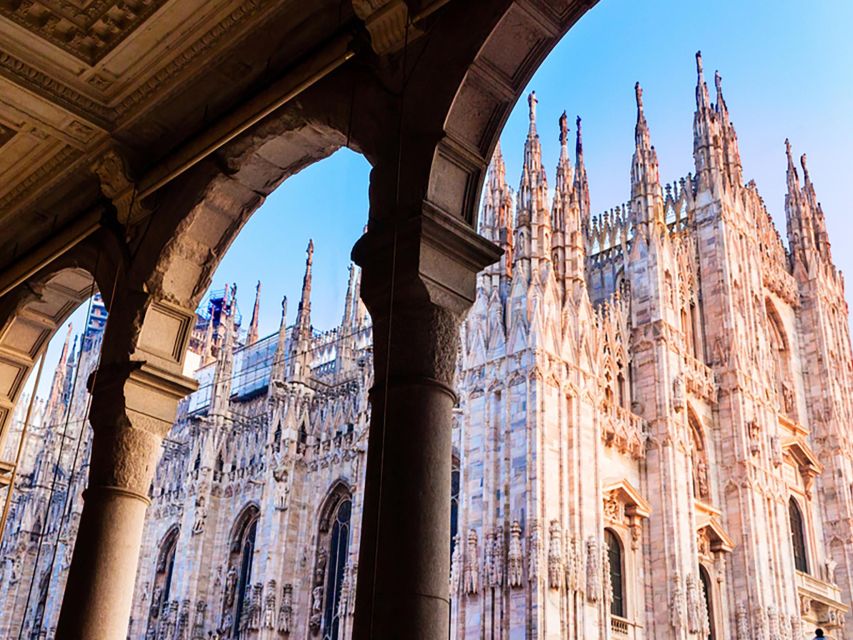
(638, 91)
(564, 129)
(699, 63)
(531, 104)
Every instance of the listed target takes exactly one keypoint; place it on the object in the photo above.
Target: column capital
(434, 257)
(145, 393)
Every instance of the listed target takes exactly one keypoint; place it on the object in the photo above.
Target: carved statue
(471, 577)
(593, 570)
(489, 560)
(514, 556)
(198, 621)
(772, 622)
(496, 577)
(677, 605)
(285, 612)
(742, 621)
(343, 598)
(200, 516)
(269, 606)
(255, 608)
(230, 586)
(320, 567)
(693, 611)
(454, 566)
(533, 552)
(701, 478)
(555, 555)
(678, 397)
(183, 621)
(316, 609)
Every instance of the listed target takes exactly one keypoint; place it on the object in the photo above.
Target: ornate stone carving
(285, 611)
(255, 607)
(200, 516)
(268, 619)
(387, 22)
(593, 570)
(694, 613)
(677, 604)
(198, 620)
(455, 567)
(471, 576)
(555, 555)
(316, 609)
(533, 552)
(514, 556)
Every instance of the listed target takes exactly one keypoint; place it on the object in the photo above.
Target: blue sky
(786, 70)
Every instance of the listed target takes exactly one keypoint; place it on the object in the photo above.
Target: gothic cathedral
(652, 437)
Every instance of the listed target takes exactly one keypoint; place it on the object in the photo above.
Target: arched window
(238, 580)
(162, 584)
(617, 584)
(330, 567)
(709, 604)
(454, 503)
(338, 551)
(798, 536)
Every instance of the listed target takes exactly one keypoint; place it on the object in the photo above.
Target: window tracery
(330, 566)
(238, 579)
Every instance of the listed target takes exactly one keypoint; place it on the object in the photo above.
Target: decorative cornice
(65, 157)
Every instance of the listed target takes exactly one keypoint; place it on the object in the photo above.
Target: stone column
(418, 281)
(133, 407)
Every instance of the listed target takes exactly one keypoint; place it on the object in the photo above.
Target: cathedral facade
(652, 435)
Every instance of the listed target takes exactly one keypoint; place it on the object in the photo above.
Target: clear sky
(787, 71)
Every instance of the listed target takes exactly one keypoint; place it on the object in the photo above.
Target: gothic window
(330, 569)
(162, 583)
(238, 580)
(617, 583)
(798, 536)
(709, 604)
(454, 502)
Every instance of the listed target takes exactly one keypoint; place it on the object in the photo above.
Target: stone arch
(339, 491)
(248, 513)
(31, 321)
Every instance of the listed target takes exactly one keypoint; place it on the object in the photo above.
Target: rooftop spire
(347, 321)
(564, 166)
(644, 165)
(641, 130)
(303, 312)
(581, 182)
(703, 100)
(252, 336)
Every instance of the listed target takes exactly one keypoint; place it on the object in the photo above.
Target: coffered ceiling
(75, 75)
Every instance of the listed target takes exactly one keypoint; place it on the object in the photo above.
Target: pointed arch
(331, 564)
(238, 579)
